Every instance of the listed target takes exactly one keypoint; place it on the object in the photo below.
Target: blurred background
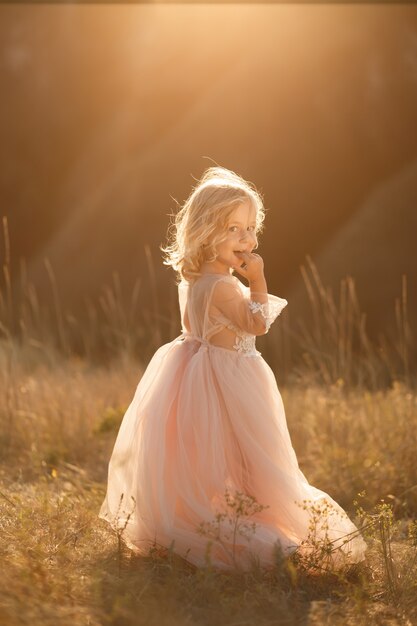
(110, 114)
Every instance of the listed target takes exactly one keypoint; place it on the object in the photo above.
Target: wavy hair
(200, 224)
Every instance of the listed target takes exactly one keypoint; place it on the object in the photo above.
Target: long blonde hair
(200, 224)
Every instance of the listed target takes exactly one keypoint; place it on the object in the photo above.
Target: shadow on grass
(164, 589)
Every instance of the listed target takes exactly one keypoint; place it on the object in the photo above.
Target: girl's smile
(241, 237)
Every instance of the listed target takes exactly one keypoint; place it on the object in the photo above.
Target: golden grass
(352, 414)
(333, 346)
(61, 564)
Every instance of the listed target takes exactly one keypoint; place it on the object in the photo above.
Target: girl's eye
(234, 228)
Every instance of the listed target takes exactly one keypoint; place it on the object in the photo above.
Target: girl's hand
(252, 267)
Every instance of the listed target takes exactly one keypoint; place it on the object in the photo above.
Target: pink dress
(206, 434)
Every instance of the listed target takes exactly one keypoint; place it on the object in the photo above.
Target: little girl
(205, 435)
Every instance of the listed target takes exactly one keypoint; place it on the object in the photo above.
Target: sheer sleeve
(238, 310)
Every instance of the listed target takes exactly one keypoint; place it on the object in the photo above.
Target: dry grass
(352, 414)
(61, 564)
(333, 346)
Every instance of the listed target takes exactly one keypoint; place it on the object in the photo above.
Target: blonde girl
(206, 430)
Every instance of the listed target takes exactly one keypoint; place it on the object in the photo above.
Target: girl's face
(240, 237)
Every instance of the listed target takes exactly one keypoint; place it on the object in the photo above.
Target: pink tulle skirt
(203, 464)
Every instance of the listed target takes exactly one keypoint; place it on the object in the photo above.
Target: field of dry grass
(352, 416)
(61, 564)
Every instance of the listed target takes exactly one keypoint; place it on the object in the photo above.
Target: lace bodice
(221, 311)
